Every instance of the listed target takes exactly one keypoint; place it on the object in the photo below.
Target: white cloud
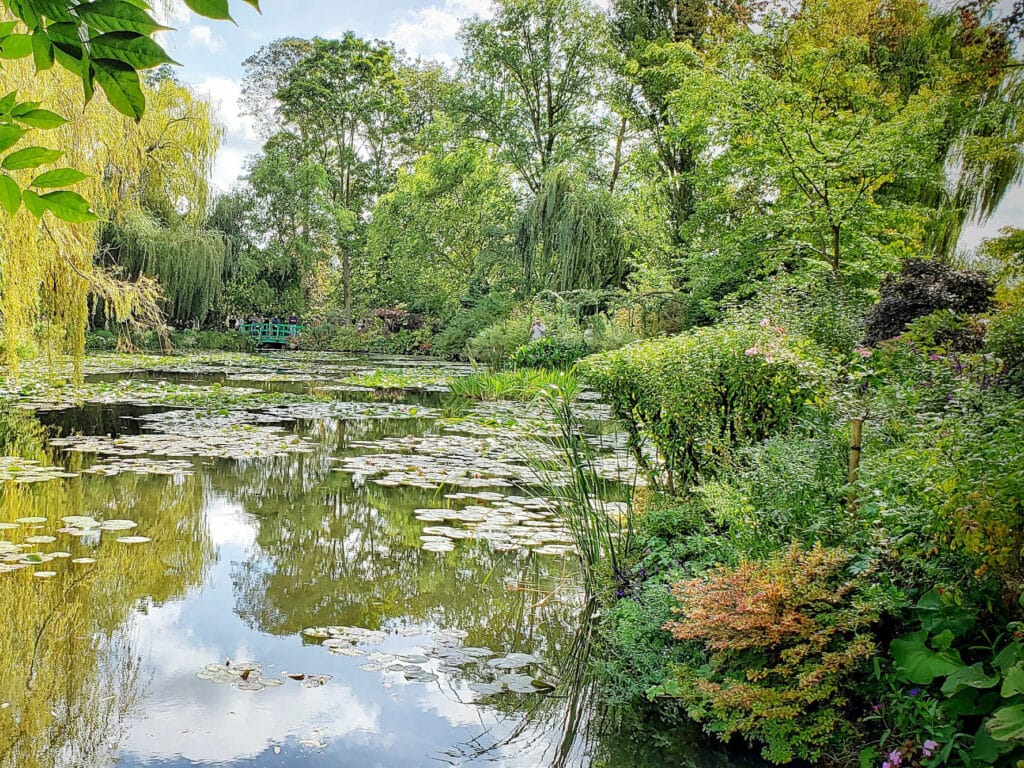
(240, 138)
(430, 32)
(201, 36)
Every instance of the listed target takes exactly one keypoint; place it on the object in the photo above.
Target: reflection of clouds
(229, 524)
(210, 722)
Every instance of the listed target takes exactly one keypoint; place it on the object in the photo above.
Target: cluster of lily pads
(250, 676)
(238, 435)
(15, 556)
(18, 470)
(137, 466)
(444, 655)
(506, 523)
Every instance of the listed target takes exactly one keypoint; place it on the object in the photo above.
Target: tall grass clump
(603, 540)
(514, 385)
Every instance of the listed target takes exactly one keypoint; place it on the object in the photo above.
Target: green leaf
(1014, 681)
(135, 50)
(23, 108)
(30, 157)
(10, 194)
(118, 16)
(42, 50)
(58, 177)
(15, 46)
(54, 10)
(969, 677)
(211, 9)
(254, 3)
(985, 748)
(121, 84)
(7, 28)
(920, 664)
(68, 206)
(34, 203)
(1007, 724)
(8, 102)
(88, 74)
(10, 135)
(42, 118)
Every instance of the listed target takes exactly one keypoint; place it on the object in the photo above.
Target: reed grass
(525, 384)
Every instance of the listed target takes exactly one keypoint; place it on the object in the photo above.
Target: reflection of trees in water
(68, 666)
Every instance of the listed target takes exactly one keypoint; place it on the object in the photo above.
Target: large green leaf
(7, 103)
(42, 50)
(68, 206)
(135, 50)
(919, 663)
(969, 677)
(58, 177)
(16, 46)
(1007, 724)
(34, 203)
(7, 28)
(10, 135)
(211, 9)
(54, 10)
(118, 16)
(30, 157)
(10, 194)
(42, 118)
(121, 84)
(1013, 683)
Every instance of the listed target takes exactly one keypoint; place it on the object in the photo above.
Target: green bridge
(272, 333)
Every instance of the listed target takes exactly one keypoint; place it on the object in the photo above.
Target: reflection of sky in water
(363, 718)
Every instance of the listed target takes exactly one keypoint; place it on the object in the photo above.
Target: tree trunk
(346, 286)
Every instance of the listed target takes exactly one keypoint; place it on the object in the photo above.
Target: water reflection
(99, 664)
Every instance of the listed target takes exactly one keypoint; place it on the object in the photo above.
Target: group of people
(236, 322)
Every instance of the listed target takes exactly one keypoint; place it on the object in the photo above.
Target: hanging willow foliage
(569, 238)
(187, 261)
(47, 270)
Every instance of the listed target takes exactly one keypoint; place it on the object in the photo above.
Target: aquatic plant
(514, 385)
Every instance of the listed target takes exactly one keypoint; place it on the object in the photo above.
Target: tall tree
(533, 74)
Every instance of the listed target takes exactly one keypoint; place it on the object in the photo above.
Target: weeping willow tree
(189, 262)
(569, 238)
(47, 266)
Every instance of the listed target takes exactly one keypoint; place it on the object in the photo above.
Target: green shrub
(495, 344)
(700, 396)
(514, 385)
(1005, 340)
(100, 340)
(547, 353)
(451, 342)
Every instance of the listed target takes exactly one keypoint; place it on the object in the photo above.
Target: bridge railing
(272, 333)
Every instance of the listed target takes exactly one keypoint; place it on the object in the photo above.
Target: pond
(290, 560)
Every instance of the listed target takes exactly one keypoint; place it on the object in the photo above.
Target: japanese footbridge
(273, 334)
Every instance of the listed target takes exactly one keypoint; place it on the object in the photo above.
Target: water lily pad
(83, 560)
(40, 539)
(30, 520)
(420, 677)
(133, 539)
(44, 574)
(488, 689)
(117, 525)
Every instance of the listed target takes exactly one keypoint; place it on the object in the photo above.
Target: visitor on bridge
(293, 319)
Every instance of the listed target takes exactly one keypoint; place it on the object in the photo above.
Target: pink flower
(765, 322)
(928, 748)
(886, 764)
(863, 351)
(751, 351)
(895, 758)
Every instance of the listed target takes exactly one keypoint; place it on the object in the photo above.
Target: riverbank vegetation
(740, 224)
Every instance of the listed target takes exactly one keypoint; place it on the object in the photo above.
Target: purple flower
(751, 351)
(895, 757)
(886, 764)
(928, 748)
(765, 322)
(913, 691)
(933, 356)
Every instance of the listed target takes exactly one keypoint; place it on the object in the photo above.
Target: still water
(274, 603)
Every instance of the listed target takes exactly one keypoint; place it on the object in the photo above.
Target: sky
(212, 52)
